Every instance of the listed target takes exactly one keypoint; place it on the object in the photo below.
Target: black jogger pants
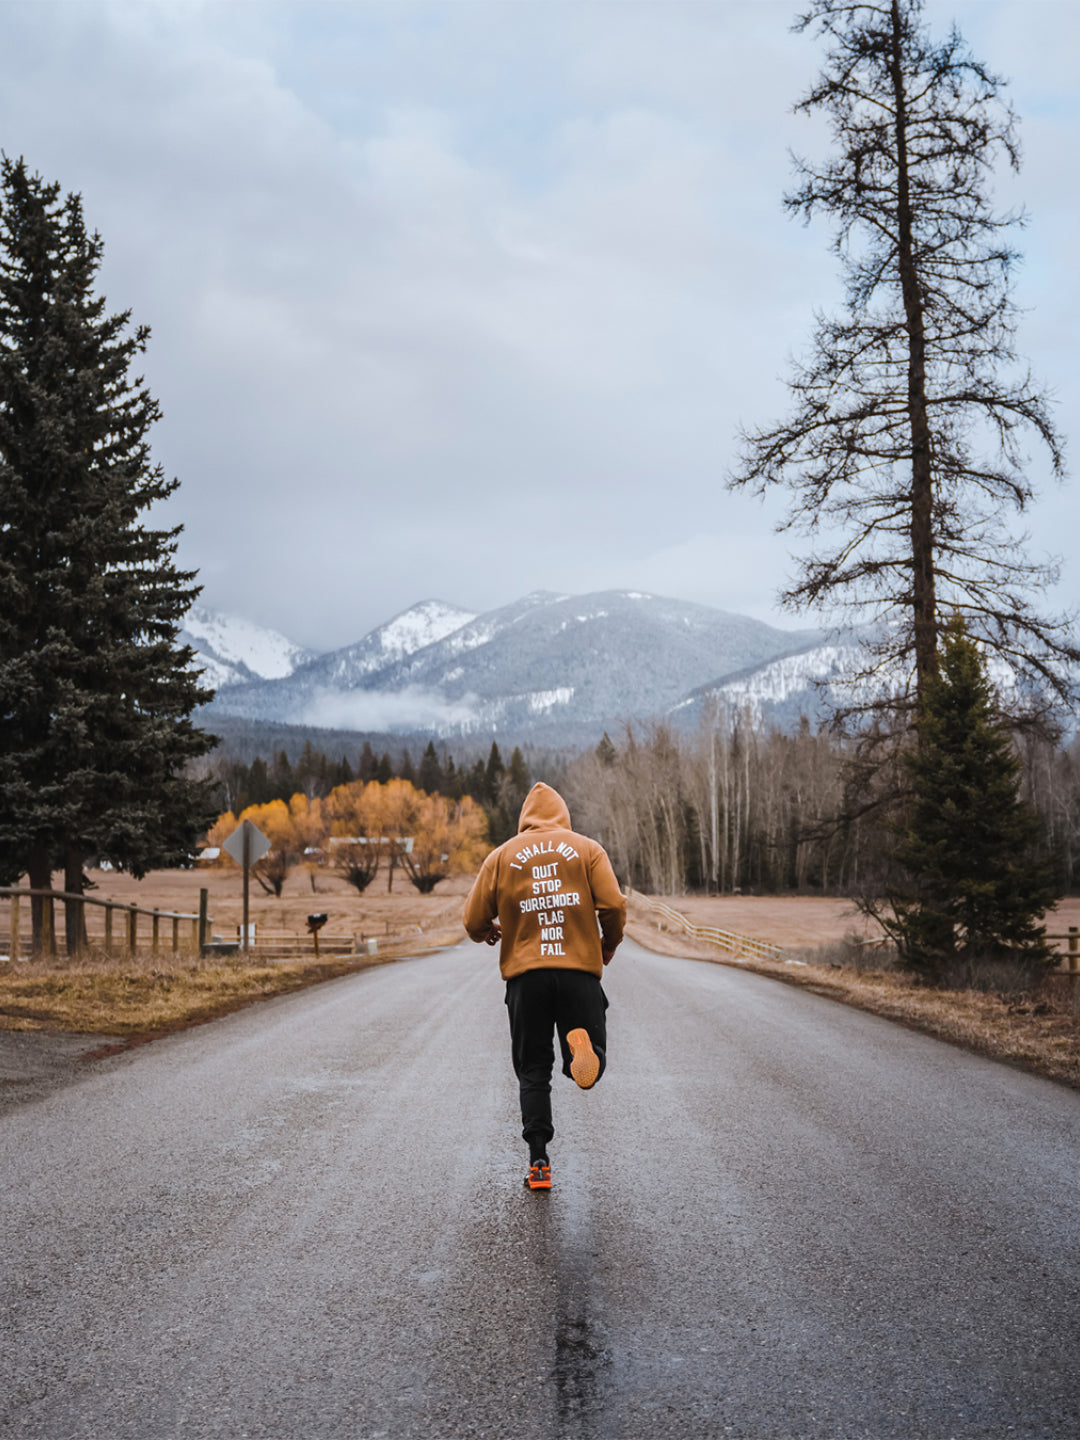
(542, 1003)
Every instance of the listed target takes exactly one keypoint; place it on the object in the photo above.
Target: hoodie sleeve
(607, 897)
(481, 908)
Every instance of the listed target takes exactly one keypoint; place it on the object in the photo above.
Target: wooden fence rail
(1072, 954)
(723, 939)
(747, 945)
(195, 935)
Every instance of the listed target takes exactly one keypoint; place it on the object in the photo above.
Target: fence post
(175, 933)
(195, 936)
(204, 896)
(1074, 948)
(154, 933)
(133, 925)
(13, 950)
(46, 925)
(108, 929)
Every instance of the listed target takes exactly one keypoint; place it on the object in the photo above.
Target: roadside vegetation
(145, 996)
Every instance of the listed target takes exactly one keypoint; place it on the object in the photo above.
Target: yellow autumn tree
(354, 812)
(449, 838)
(358, 825)
(218, 833)
(428, 836)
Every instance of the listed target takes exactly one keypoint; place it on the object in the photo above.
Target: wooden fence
(1071, 955)
(724, 939)
(746, 945)
(168, 930)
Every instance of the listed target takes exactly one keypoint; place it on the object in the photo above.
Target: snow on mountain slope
(414, 629)
(808, 682)
(791, 678)
(233, 650)
(546, 661)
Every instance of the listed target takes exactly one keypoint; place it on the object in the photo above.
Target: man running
(540, 895)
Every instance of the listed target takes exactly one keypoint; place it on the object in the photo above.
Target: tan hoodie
(545, 888)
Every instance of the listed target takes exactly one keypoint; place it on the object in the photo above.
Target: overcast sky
(465, 299)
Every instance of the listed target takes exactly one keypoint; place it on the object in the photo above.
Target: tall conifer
(905, 459)
(976, 888)
(95, 694)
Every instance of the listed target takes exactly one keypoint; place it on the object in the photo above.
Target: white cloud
(409, 709)
(424, 277)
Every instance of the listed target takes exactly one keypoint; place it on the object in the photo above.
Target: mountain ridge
(547, 662)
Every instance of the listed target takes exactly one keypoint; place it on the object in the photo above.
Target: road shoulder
(1026, 1034)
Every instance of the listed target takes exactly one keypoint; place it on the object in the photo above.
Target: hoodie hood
(544, 809)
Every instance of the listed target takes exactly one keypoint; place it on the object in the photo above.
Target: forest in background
(734, 807)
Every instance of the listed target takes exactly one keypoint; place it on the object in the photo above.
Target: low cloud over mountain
(550, 665)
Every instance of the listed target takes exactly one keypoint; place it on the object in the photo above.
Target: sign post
(246, 844)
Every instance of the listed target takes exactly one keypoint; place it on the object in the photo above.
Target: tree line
(498, 787)
(740, 807)
(359, 828)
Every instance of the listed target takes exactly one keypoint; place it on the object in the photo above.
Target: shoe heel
(584, 1063)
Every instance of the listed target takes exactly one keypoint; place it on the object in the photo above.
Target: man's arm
(481, 909)
(609, 902)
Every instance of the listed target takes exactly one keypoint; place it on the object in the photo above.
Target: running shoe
(585, 1063)
(539, 1176)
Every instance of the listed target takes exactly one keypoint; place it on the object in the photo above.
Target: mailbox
(314, 925)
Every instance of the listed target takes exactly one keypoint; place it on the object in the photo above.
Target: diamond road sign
(247, 843)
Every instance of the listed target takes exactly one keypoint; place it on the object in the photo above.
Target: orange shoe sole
(542, 1180)
(585, 1063)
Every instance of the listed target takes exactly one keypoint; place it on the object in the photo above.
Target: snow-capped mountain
(414, 629)
(811, 682)
(780, 690)
(547, 663)
(233, 650)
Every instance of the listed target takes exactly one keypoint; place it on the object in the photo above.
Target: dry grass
(141, 997)
(373, 913)
(1039, 1030)
(146, 995)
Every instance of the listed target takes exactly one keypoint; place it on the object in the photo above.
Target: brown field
(798, 921)
(146, 994)
(375, 913)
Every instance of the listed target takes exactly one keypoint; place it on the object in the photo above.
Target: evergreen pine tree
(368, 765)
(516, 783)
(452, 780)
(976, 890)
(513, 787)
(282, 778)
(408, 770)
(385, 770)
(95, 727)
(476, 782)
(493, 775)
(258, 784)
(430, 776)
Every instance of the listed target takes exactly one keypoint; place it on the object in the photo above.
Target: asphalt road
(774, 1217)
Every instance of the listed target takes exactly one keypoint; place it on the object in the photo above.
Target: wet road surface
(774, 1217)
